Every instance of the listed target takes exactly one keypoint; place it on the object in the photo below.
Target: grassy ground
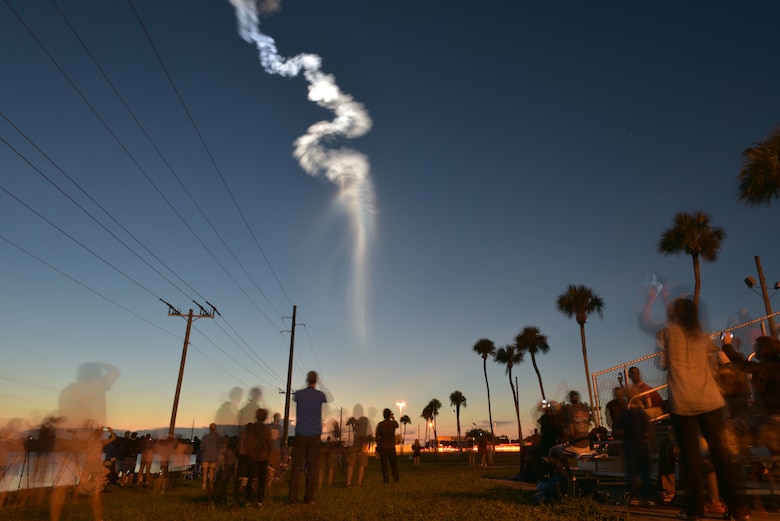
(447, 489)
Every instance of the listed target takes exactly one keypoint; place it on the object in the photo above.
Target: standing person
(94, 476)
(258, 446)
(385, 445)
(275, 428)
(307, 445)
(416, 448)
(130, 451)
(651, 403)
(696, 404)
(242, 461)
(358, 452)
(209, 446)
(482, 449)
(164, 448)
(147, 456)
(636, 455)
(616, 410)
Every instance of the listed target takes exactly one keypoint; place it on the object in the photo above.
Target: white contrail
(346, 168)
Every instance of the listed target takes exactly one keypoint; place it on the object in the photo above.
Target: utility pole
(286, 427)
(765, 295)
(173, 312)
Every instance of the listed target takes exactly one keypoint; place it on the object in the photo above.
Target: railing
(654, 374)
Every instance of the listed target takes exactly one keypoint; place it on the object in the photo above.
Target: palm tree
(433, 411)
(510, 356)
(405, 420)
(578, 302)
(427, 415)
(531, 340)
(695, 235)
(351, 422)
(486, 348)
(457, 400)
(759, 178)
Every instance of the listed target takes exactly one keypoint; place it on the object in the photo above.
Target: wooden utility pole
(173, 312)
(765, 295)
(286, 427)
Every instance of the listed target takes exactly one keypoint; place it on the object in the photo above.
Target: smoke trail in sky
(346, 168)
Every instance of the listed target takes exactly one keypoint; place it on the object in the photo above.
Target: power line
(132, 158)
(208, 151)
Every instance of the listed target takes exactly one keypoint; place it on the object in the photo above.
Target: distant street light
(401, 406)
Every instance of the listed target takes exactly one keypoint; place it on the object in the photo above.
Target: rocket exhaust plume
(346, 168)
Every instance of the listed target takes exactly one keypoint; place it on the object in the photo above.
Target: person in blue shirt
(307, 444)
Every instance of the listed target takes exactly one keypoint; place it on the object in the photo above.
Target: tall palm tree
(486, 348)
(759, 178)
(579, 302)
(695, 235)
(427, 415)
(457, 400)
(405, 420)
(433, 408)
(531, 340)
(510, 356)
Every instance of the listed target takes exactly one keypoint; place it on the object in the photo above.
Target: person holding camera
(385, 445)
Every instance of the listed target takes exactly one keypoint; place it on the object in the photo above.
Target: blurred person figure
(276, 430)
(209, 447)
(83, 402)
(227, 415)
(329, 458)
(552, 427)
(385, 445)
(242, 462)
(147, 457)
(482, 450)
(697, 405)
(128, 451)
(93, 476)
(357, 457)
(636, 455)
(248, 412)
(226, 467)
(734, 385)
(668, 452)
(765, 372)
(307, 446)
(577, 433)
(258, 446)
(164, 449)
(765, 380)
(416, 448)
(616, 409)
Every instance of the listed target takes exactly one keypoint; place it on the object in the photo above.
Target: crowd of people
(714, 413)
(234, 463)
(719, 404)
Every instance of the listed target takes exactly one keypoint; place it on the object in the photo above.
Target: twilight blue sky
(516, 148)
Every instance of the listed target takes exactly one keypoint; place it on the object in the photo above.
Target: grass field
(447, 489)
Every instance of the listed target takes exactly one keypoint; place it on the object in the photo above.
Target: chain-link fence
(654, 375)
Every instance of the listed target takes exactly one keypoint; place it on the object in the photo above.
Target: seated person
(578, 435)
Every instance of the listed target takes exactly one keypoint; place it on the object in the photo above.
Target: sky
(510, 150)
